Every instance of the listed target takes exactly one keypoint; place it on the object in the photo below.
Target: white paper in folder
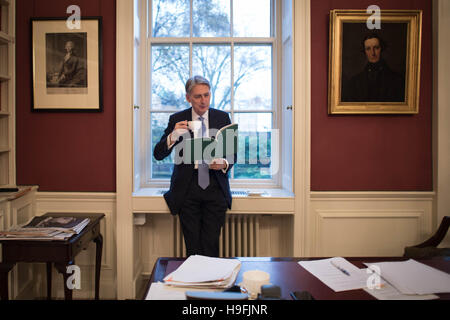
(337, 273)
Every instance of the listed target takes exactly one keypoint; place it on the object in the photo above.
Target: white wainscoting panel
(85, 203)
(276, 236)
(3, 207)
(18, 211)
(156, 237)
(368, 224)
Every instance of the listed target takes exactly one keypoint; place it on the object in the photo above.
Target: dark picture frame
(387, 82)
(66, 65)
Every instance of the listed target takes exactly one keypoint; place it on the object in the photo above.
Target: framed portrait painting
(67, 65)
(374, 69)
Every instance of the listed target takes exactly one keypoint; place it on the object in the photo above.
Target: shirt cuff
(227, 165)
(169, 142)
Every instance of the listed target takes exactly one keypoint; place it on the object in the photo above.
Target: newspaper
(46, 228)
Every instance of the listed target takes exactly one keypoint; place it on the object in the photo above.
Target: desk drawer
(48, 251)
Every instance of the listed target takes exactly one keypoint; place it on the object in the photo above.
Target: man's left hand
(218, 164)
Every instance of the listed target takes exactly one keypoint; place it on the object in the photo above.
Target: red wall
(76, 151)
(369, 153)
(66, 151)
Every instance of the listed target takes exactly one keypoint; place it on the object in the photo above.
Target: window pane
(170, 18)
(254, 146)
(251, 18)
(160, 169)
(253, 77)
(170, 70)
(213, 62)
(247, 70)
(211, 18)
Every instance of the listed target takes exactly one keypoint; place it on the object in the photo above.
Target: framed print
(374, 71)
(67, 65)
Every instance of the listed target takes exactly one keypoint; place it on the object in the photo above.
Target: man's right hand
(180, 129)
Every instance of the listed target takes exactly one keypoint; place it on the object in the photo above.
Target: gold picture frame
(374, 71)
(67, 65)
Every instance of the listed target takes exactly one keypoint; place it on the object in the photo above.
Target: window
(230, 42)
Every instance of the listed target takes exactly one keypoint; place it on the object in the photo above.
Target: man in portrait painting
(377, 82)
(66, 68)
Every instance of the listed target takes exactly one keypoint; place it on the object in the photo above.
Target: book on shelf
(46, 228)
(222, 145)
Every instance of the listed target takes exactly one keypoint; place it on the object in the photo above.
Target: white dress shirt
(198, 134)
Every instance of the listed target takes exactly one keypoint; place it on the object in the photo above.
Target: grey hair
(195, 80)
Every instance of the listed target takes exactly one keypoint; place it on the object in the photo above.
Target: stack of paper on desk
(403, 280)
(414, 278)
(205, 272)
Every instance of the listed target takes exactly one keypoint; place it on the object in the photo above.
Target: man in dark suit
(199, 193)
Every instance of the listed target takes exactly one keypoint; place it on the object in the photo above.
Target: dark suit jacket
(183, 173)
(376, 83)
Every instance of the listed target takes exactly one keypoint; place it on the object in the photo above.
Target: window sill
(245, 201)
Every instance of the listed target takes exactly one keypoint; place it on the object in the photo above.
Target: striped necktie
(203, 168)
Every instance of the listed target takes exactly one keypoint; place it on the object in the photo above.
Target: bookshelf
(7, 93)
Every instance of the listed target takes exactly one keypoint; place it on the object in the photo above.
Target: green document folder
(223, 145)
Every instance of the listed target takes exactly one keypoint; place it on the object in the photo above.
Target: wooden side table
(60, 253)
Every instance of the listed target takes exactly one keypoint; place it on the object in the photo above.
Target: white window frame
(143, 175)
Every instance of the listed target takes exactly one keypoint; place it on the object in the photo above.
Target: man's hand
(180, 129)
(218, 164)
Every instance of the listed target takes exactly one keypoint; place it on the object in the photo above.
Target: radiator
(239, 237)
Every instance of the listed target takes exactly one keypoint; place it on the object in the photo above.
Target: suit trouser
(202, 217)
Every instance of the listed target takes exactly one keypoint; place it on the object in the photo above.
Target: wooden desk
(290, 276)
(60, 253)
